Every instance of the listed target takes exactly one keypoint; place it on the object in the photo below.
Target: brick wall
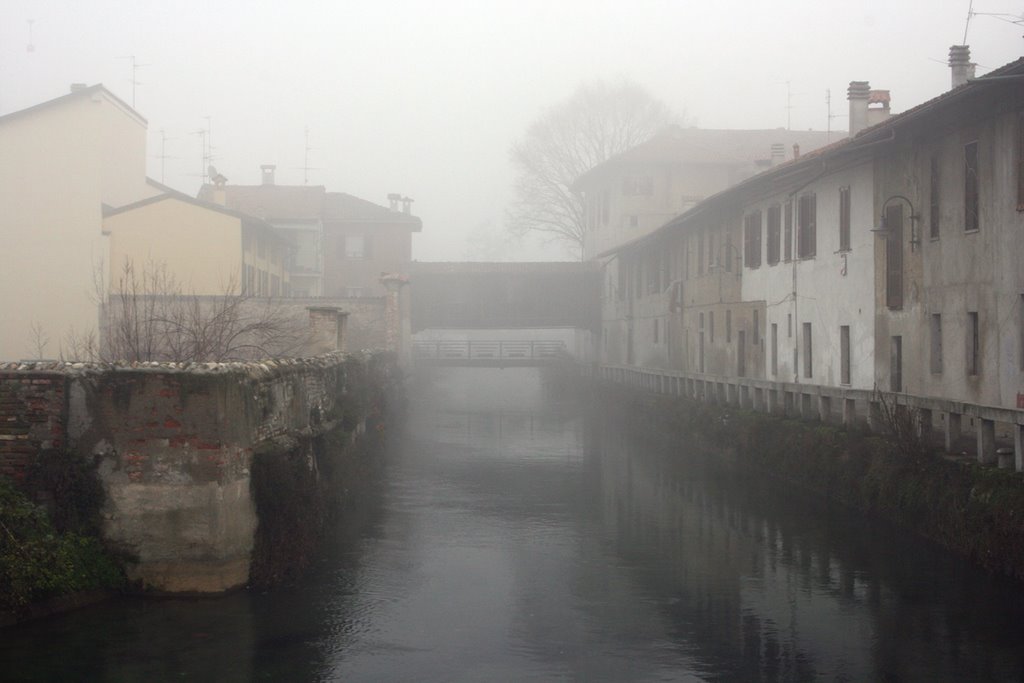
(33, 415)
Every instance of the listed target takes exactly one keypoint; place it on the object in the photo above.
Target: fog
(425, 99)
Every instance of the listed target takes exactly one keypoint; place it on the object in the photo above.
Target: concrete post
(952, 431)
(849, 412)
(327, 325)
(805, 406)
(925, 426)
(986, 441)
(875, 421)
(824, 408)
(1018, 447)
(394, 325)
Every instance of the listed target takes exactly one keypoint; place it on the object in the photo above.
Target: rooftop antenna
(206, 143)
(789, 106)
(31, 46)
(306, 168)
(163, 152)
(135, 67)
(967, 24)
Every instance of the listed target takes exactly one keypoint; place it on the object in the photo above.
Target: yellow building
(59, 162)
(207, 249)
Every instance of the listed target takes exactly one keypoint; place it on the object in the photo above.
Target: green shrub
(38, 562)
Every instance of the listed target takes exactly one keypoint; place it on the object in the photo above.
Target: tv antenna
(135, 68)
(206, 143)
(828, 105)
(163, 152)
(306, 168)
(30, 47)
(789, 106)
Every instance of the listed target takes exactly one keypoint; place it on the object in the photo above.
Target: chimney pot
(407, 205)
(267, 171)
(393, 200)
(858, 94)
(78, 87)
(960, 66)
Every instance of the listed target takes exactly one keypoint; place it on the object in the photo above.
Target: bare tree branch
(597, 122)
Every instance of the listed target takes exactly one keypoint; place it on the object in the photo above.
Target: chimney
(796, 150)
(878, 106)
(407, 205)
(268, 173)
(219, 196)
(78, 87)
(960, 64)
(858, 94)
(778, 153)
(393, 200)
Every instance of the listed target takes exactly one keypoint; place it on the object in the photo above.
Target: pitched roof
(168, 193)
(273, 202)
(99, 88)
(676, 145)
(882, 132)
(340, 207)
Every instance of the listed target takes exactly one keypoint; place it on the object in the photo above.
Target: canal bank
(167, 478)
(973, 510)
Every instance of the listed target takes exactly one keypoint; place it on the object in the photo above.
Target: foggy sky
(425, 98)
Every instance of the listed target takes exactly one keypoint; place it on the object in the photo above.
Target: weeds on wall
(971, 509)
(37, 561)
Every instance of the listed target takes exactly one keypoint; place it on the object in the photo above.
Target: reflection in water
(513, 536)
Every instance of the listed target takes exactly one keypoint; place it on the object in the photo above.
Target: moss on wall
(973, 510)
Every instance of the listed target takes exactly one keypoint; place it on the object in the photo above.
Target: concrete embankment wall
(973, 510)
(175, 447)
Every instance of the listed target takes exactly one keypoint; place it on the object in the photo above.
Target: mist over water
(515, 533)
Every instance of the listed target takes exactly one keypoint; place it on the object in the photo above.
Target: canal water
(513, 533)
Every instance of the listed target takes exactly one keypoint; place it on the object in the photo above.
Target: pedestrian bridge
(487, 353)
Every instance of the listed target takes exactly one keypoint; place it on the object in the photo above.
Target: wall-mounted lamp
(885, 231)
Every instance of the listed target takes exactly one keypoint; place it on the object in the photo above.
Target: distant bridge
(467, 296)
(494, 354)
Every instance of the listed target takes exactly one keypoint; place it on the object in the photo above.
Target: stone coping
(250, 368)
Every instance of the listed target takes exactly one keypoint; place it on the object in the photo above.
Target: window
(728, 253)
(844, 354)
(844, 219)
(355, 247)
(711, 326)
(633, 186)
(787, 237)
(971, 222)
(896, 364)
(755, 337)
(711, 250)
(700, 253)
(933, 207)
(752, 240)
(973, 346)
(728, 326)
(807, 227)
(656, 330)
(774, 236)
(894, 256)
(789, 325)
(936, 343)
(700, 347)
(775, 349)
(808, 358)
(1020, 323)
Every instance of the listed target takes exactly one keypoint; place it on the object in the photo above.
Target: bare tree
(149, 317)
(597, 122)
(40, 339)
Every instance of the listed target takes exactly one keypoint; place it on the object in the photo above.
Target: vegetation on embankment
(971, 509)
(52, 551)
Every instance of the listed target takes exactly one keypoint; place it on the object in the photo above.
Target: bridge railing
(488, 350)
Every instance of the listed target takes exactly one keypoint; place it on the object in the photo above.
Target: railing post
(986, 441)
(953, 429)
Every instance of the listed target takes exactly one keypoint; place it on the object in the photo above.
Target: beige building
(634, 193)
(207, 249)
(60, 161)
